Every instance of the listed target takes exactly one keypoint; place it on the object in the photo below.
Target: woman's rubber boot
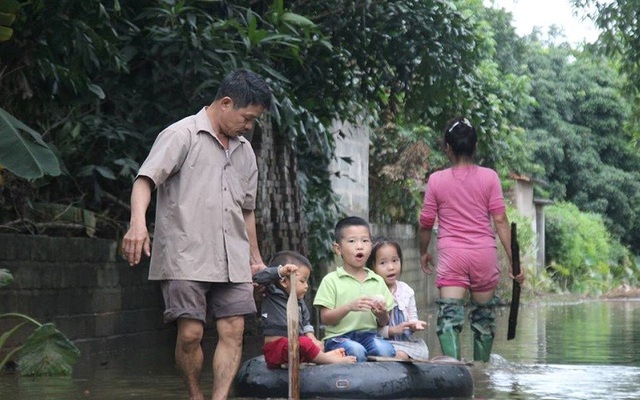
(483, 326)
(450, 320)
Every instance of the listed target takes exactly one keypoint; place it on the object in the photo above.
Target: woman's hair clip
(463, 121)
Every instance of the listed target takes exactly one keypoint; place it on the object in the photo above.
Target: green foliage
(578, 128)
(581, 253)
(526, 235)
(618, 23)
(22, 150)
(46, 352)
(398, 163)
(6, 278)
(486, 84)
(134, 67)
(537, 281)
(396, 57)
(8, 10)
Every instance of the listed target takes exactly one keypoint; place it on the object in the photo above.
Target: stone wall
(105, 306)
(279, 219)
(93, 297)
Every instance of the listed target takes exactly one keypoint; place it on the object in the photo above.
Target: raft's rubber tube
(365, 380)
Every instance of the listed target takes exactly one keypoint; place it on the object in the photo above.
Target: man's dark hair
(245, 88)
(347, 222)
(461, 136)
(290, 257)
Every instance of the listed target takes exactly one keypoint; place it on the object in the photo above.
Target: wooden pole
(293, 317)
(515, 295)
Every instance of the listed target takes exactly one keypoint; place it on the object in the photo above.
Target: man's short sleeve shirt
(200, 233)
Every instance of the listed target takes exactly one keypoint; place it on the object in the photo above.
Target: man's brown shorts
(206, 301)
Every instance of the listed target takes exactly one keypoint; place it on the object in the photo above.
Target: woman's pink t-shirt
(463, 199)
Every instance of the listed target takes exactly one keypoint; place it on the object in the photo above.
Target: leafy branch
(46, 352)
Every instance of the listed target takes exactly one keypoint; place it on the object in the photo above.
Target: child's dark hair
(461, 136)
(378, 243)
(347, 222)
(290, 257)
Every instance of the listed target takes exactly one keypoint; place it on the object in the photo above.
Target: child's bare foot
(337, 356)
(339, 350)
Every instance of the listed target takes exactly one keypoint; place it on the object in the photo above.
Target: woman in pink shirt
(465, 199)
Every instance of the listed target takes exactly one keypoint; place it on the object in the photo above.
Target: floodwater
(563, 350)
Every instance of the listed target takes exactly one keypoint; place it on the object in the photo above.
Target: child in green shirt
(354, 301)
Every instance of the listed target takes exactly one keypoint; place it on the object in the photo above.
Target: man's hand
(136, 241)
(255, 268)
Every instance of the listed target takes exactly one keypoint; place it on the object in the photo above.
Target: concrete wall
(92, 296)
(96, 300)
(105, 306)
(522, 197)
(352, 186)
(350, 181)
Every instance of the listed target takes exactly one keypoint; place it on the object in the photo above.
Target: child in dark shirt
(283, 266)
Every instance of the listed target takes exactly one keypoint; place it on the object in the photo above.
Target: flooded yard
(563, 350)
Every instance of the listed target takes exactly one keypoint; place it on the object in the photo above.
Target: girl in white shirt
(386, 261)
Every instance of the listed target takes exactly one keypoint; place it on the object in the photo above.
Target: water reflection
(578, 350)
(537, 381)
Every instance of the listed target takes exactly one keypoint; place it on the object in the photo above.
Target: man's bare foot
(336, 356)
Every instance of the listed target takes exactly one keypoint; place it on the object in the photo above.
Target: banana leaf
(6, 278)
(8, 9)
(22, 150)
(47, 352)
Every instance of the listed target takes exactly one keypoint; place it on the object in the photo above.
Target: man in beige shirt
(205, 247)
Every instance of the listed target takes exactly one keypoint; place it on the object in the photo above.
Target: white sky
(528, 14)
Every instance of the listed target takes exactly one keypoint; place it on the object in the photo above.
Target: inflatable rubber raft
(365, 380)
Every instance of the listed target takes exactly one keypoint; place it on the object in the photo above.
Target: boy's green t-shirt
(339, 287)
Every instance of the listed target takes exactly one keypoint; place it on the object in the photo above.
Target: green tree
(131, 68)
(582, 255)
(578, 125)
(491, 89)
(620, 40)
